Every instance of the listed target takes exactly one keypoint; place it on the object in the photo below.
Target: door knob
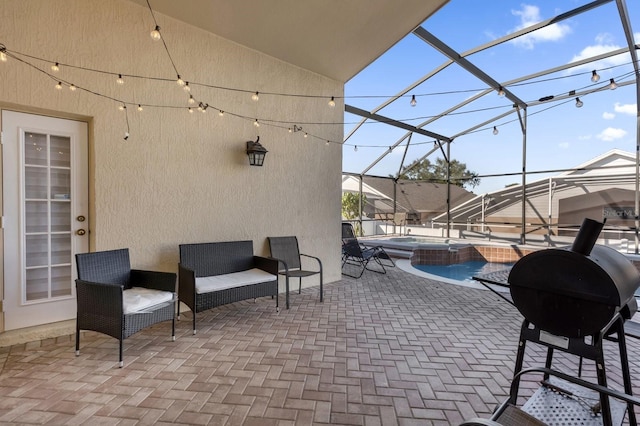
(81, 232)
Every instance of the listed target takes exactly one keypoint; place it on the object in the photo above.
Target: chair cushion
(235, 279)
(140, 299)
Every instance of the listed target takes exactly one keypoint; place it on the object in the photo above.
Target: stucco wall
(181, 177)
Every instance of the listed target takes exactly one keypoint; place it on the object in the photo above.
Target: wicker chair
(118, 301)
(286, 250)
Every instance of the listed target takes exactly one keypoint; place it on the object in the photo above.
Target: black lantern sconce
(256, 152)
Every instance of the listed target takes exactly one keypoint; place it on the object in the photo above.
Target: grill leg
(602, 380)
(522, 344)
(626, 375)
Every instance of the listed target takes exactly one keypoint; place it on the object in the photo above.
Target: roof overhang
(333, 38)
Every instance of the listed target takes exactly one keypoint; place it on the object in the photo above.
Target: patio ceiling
(333, 38)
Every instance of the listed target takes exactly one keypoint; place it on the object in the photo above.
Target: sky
(559, 135)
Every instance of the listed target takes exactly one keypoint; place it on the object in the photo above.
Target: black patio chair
(348, 233)
(118, 301)
(286, 250)
(354, 254)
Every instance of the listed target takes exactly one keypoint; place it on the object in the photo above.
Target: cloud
(530, 15)
(608, 115)
(610, 134)
(629, 109)
(584, 137)
(603, 44)
(563, 145)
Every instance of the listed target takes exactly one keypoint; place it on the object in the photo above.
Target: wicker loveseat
(214, 274)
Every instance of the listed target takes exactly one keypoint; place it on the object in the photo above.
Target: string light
(122, 107)
(190, 110)
(221, 113)
(72, 88)
(59, 86)
(413, 101)
(3, 56)
(579, 103)
(55, 67)
(204, 107)
(290, 130)
(191, 100)
(332, 102)
(255, 123)
(501, 91)
(594, 76)
(180, 81)
(155, 34)
(355, 148)
(120, 80)
(139, 107)
(306, 134)
(126, 135)
(186, 87)
(255, 97)
(612, 84)
(495, 130)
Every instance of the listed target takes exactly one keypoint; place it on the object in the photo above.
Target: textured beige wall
(181, 177)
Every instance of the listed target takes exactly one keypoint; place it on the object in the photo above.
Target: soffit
(334, 38)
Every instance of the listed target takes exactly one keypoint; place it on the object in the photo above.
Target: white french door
(45, 189)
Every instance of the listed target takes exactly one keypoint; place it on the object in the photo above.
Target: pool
(463, 271)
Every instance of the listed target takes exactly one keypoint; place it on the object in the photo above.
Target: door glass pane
(60, 151)
(61, 249)
(61, 281)
(35, 180)
(36, 216)
(37, 284)
(35, 149)
(60, 216)
(60, 184)
(37, 253)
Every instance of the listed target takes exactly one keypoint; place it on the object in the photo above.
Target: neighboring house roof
(336, 39)
(615, 166)
(411, 196)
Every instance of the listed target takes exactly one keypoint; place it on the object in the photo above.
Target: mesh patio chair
(118, 301)
(286, 250)
(349, 233)
(354, 254)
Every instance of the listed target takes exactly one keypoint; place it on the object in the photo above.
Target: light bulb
(191, 100)
(327, 143)
(221, 113)
(122, 107)
(255, 97)
(55, 67)
(126, 135)
(306, 134)
(120, 80)
(186, 87)
(612, 84)
(495, 130)
(413, 101)
(3, 57)
(255, 123)
(290, 130)
(579, 103)
(72, 88)
(501, 91)
(594, 76)
(190, 110)
(355, 148)
(155, 34)
(180, 81)
(139, 107)
(332, 102)
(59, 86)
(204, 108)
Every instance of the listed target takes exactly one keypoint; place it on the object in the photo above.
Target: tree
(425, 170)
(351, 205)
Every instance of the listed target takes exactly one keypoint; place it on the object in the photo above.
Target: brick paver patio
(390, 349)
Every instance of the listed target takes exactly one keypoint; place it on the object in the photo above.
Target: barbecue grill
(572, 299)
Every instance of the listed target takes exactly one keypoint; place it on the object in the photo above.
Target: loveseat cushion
(235, 279)
(139, 299)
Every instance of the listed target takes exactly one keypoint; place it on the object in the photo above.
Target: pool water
(463, 271)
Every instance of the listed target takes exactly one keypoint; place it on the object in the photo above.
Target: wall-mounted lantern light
(256, 152)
